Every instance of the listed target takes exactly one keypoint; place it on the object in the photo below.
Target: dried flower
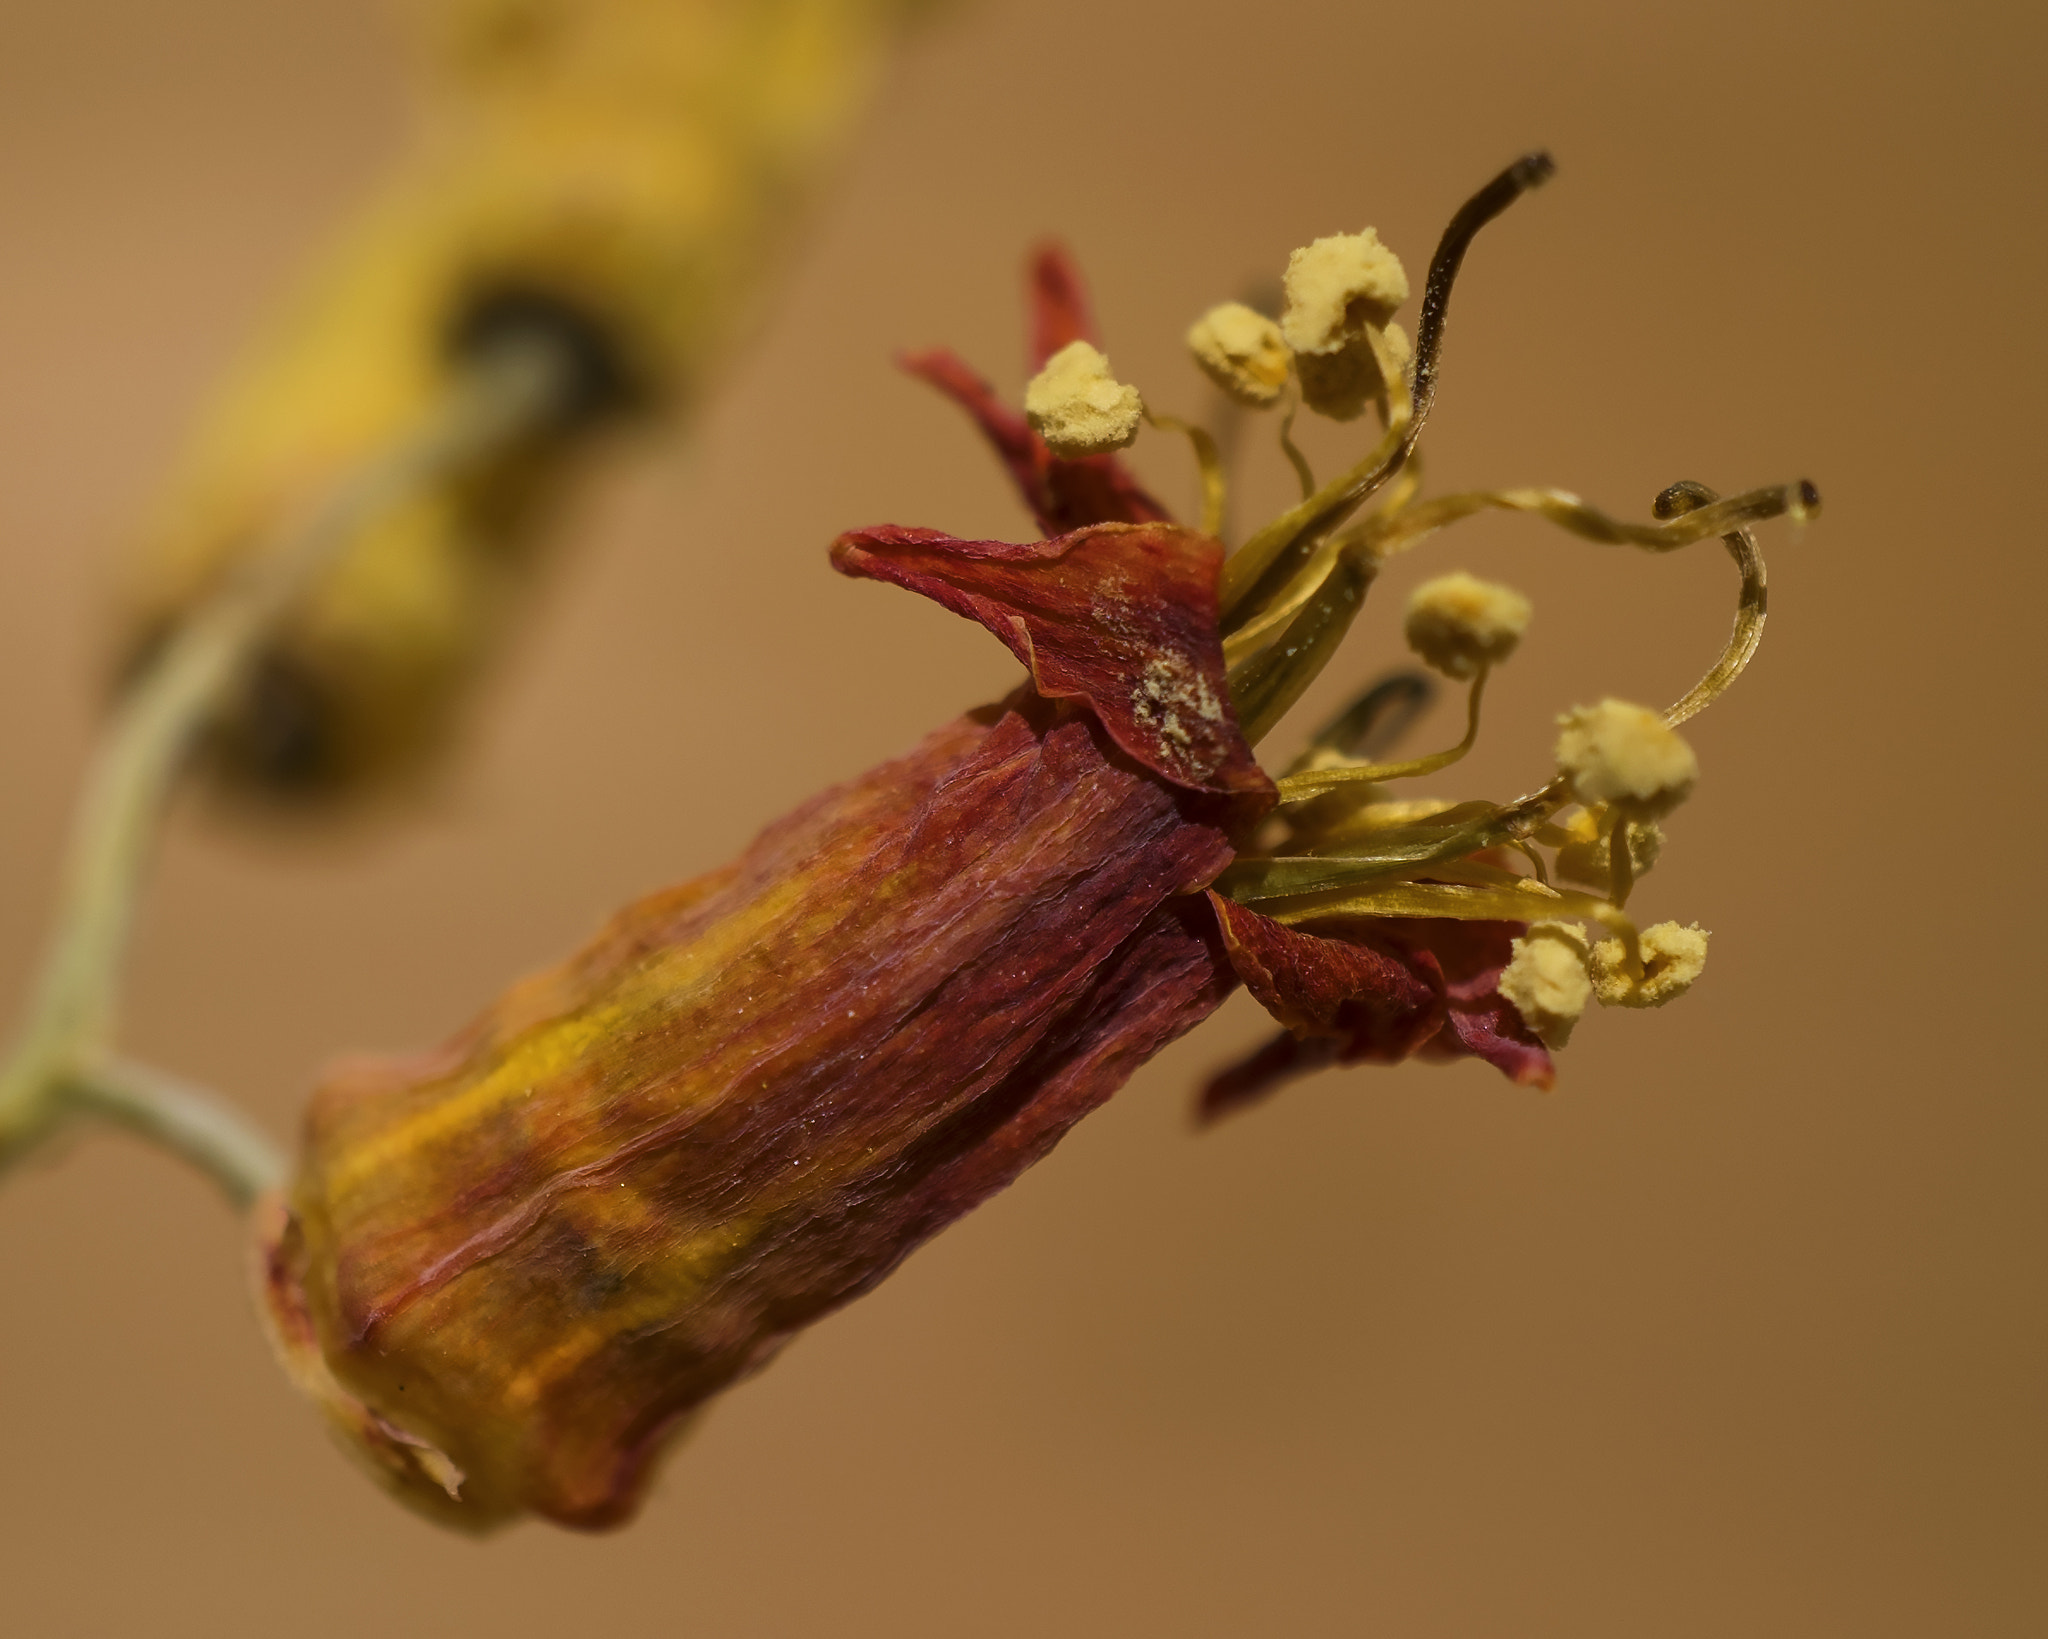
(513, 1269)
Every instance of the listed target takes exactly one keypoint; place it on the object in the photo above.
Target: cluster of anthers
(1346, 844)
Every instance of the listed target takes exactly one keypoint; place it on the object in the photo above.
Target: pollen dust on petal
(1171, 699)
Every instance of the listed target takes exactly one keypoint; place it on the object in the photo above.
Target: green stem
(193, 1124)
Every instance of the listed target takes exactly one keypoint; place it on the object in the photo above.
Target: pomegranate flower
(512, 1269)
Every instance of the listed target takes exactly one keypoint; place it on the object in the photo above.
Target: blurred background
(1741, 1330)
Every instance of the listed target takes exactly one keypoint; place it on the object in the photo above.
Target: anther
(1336, 287)
(1623, 754)
(1241, 350)
(1459, 624)
(1672, 960)
(1546, 980)
(1078, 407)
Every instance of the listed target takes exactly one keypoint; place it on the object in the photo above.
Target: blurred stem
(192, 1123)
(57, 1066)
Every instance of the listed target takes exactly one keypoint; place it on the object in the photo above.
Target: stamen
(1215, 486)
(1459, 624)
(1567, 511)
(1546, 980)
(1374, 722)
(1625, 756)
(1302, 470)
(1265, 687)
(1077, 405)
(1407, 408)
(1687, 497)
(1313, 783)
(1660, 966)
(1241, 351)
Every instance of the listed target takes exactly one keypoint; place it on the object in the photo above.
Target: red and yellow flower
(513, 1268)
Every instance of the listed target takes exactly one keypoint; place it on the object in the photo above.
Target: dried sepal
(1122, 616)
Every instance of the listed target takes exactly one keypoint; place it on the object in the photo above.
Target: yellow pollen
(1672, 959)
(1588, 858)
(1546, 980)
(1241, 350)
(1624, 754)
(1459, 623)
(1078, 407)
(1337, 286)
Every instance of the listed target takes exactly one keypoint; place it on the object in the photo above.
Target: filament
(1407, 409)
(1303, 472)
(1375, 721)
(1215, 487)
(1314, 782)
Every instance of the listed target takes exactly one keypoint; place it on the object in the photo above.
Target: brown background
(1741, 1331)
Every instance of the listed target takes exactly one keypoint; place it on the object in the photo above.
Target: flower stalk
(58, 1067)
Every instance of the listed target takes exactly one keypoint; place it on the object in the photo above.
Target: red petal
(1356, 998)
(1062, 495)
(1377, 999)
(1482, 1022)
(1257, 1076)
(1121, 616)
(1058, 301)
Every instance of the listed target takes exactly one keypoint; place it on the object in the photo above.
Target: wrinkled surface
(635, 1177)
(1120, 616)
(1371, 991)
(511, 1270)
(511, 1267)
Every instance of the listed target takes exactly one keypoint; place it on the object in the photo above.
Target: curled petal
(1480, 1022)
(1376, 999)
(1260, 1074)
(1062, 495)
(1058, 300)
(1380, 991)
(1119, 616)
